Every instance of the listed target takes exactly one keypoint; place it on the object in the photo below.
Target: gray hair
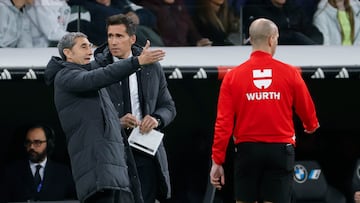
(68, 41)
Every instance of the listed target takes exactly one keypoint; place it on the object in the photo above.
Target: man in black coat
(101, 164)
(143, 100)
(52, 182)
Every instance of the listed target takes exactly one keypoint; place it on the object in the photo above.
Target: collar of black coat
(84, 66)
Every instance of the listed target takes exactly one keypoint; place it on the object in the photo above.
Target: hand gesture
(148, 56)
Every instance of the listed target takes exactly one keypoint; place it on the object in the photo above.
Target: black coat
(155, 100)
(98, 152)
(18, 183)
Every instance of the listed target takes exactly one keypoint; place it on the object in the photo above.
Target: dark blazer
(19, 183)
(155, 100)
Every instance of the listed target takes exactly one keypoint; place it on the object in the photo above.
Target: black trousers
(264, 171)
(148, 175)
(110, 196)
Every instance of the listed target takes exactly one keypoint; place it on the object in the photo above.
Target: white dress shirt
(134, 94)
(41, 171)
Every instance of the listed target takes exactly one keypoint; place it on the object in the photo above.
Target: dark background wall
(188, 139)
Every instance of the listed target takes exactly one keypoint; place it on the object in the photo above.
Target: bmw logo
(300, 173)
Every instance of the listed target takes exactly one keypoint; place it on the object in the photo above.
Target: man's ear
(67, 52)
(133, 39)
(271, 40)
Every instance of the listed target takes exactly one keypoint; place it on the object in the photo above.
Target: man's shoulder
(58, 165)
(58, 170)
(154, 67)
(278, 62)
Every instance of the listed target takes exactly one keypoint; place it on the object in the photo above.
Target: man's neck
(42, 162)
(125, 56)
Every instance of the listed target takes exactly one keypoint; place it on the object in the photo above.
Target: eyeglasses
(36, 143)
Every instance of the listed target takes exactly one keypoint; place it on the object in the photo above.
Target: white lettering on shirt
(263, 96)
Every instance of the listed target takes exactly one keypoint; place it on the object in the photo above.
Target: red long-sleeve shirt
(256, 104)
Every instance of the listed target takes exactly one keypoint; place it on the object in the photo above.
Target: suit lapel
(28, 180)
(143, 83)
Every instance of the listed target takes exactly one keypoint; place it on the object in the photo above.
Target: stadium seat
(310, 185)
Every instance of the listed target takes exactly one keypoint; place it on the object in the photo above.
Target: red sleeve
(224, 121)
(304, 105)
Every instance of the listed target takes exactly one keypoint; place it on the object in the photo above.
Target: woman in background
(214, 21)
(339, 21)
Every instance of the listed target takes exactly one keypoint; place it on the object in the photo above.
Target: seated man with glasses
(37, 178)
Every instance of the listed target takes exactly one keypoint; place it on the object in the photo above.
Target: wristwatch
(159, 122)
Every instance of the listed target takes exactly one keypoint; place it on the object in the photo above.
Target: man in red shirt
(255, 106)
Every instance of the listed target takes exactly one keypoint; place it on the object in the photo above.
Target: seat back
(310, 185)
(309, 181)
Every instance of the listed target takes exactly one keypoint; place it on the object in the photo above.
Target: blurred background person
(49, 20)
(15, 25)
(174, 23)
(214, 21)
(100, 10)
(309, 7)
(37, 178)
(295, 27)
(339, 21)
(32, 23)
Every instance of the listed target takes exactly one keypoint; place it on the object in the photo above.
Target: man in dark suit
(38, 178)
(142, 100)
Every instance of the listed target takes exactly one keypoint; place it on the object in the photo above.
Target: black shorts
(263, 172)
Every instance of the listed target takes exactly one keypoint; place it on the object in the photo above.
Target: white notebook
(148, 142)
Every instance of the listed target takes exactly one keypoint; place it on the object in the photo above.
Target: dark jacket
(97, 150)
(18, 183)
(295, 27)
(174, 23)
(155, 100)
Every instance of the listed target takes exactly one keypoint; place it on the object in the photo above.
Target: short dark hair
(121, 19)
(68, 41)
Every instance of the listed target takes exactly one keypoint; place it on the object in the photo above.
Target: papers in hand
(148, 143)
